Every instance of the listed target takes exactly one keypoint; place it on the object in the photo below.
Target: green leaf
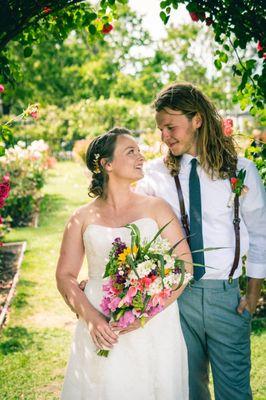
(163, 16)
(132, 265)
(135, 235)
(223, 57)
(176, 244)
(92, 29)
(218, 64)
(27, 52)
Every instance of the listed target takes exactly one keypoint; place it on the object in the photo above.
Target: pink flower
(105, 306)
(228, 126)
(47, 10)
(4, 190)
(259, 46)
(6, 179)
(34, 114)
(1, 220)
(127, 319)
(132, 291)
(114, 303)
(155, 310)
(159, 299)
(2, 88)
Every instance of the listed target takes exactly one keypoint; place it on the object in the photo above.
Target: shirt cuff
(256, 270)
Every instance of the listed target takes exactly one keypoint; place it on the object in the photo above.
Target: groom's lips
(172, 144)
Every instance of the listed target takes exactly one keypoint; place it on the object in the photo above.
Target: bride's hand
(132, 327)
(101, 333)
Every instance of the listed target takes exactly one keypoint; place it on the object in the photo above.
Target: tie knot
(194, 163)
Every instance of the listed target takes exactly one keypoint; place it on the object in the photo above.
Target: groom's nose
(165, 134)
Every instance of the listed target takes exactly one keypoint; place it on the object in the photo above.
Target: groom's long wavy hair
(217, 152)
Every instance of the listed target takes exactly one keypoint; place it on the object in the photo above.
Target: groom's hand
(251, 299)
(244, 304)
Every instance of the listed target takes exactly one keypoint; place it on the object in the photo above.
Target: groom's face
(178, 132)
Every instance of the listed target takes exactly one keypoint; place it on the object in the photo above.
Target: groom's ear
(197, 120)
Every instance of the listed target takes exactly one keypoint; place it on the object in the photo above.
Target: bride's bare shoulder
(83, 215)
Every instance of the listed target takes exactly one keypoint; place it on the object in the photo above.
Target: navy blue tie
(196, 239)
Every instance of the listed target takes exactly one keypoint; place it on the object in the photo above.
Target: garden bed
(11, 256)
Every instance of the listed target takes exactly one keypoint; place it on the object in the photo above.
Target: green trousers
(218, 336)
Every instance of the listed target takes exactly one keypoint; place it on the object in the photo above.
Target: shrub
(26, 167)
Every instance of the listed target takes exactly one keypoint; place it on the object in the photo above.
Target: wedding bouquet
(140, 278)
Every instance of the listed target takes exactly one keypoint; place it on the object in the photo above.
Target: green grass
(35, 344)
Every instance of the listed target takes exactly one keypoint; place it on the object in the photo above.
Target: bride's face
(127, 161)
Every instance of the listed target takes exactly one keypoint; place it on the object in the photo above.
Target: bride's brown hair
(217, 152)
(102, 147)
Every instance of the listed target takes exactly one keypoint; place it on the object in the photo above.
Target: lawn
(35, 343)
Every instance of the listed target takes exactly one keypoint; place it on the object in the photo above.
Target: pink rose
(2, 88)
(4, 191)
(228, 126)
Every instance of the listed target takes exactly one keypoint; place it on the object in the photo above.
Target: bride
(148, 363)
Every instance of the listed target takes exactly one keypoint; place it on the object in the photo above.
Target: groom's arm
(253, 212)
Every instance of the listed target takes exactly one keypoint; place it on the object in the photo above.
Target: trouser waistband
(215, 284)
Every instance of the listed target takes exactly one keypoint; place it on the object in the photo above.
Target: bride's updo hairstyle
(102, 147)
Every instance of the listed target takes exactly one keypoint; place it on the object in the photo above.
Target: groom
(198, 179)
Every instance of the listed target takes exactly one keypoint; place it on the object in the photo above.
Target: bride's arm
(173, 233)
(68, 268)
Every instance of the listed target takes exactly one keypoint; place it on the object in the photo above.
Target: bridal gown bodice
(149, 363)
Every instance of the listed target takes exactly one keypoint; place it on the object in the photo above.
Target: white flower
(160, 246)
(155, 287)
(143, 269)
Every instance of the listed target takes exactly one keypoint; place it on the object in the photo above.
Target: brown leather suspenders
(236, 223)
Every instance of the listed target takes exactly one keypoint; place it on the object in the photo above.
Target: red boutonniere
(238, 187)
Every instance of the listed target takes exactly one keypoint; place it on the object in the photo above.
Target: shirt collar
(186, 159)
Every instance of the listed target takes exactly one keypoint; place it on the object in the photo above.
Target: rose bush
(26, 168)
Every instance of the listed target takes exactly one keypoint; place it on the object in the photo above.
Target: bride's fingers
(104, 341)
(96, 340)
(111, 335)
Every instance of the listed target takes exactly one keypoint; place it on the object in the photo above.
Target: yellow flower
(123, 256)
(166, 271)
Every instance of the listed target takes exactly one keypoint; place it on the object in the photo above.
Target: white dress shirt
(217, 217)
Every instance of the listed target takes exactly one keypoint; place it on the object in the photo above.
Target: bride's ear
(107, 166)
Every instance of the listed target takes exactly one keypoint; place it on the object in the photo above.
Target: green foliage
(26, 168)
(85, 119)
(258, 155)
(236, 25)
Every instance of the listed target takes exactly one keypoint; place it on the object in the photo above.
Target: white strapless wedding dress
(146, 364)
